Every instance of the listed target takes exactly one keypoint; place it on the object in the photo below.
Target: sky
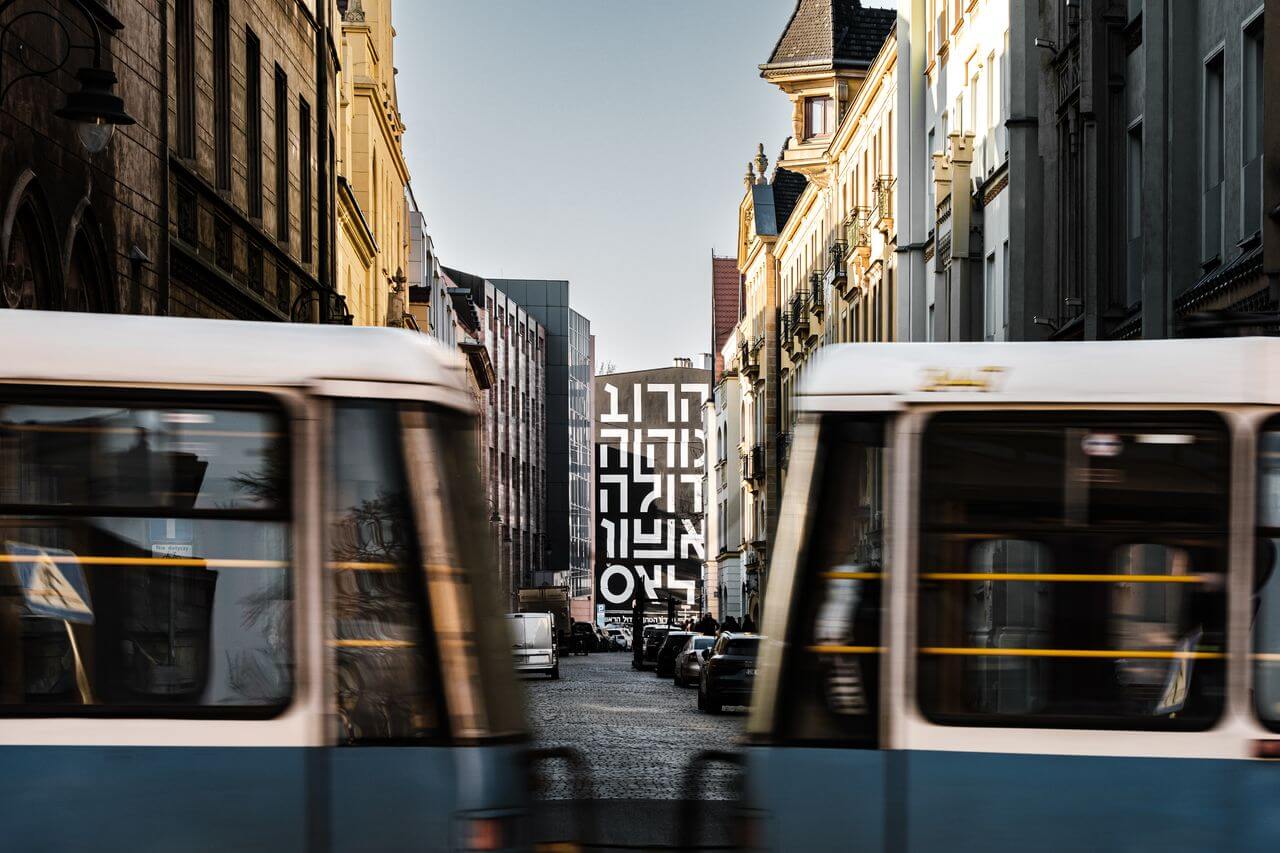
(599, 141)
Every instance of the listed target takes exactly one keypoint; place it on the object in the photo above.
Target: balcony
(752, 465)
(749, 360)
(884, 203)
(816, 286)
(799, 311)
(837, 273)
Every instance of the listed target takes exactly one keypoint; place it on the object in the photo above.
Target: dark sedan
(728, 672)
(665, 663)
(653, 640)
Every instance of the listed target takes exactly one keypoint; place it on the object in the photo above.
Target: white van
(533, 639)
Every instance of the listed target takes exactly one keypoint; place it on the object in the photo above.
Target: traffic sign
(53, 583)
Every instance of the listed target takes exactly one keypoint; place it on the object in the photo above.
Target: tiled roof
(836, 32)
(725, 284)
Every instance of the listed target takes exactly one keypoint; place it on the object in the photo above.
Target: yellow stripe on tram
(1059, 577)
(173, 562)
(844, 650)
(853, 576)
(361, 566)
(373, 644)
(1266, 657)
(1106, 654)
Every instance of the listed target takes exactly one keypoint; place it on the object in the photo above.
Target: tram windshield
(1072, 569)
(144, 556)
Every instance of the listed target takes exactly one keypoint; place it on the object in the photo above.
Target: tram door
(391, 772)
(833, 781)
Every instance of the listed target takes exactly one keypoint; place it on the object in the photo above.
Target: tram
(1023, 597)
(240, 600)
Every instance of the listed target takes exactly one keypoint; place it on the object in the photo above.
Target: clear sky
(599, 141)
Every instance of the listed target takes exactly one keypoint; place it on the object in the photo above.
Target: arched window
(26, 279)
(87, 285)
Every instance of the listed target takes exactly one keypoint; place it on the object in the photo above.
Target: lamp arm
(86, 13)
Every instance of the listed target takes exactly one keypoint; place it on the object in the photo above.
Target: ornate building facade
(373, 256)
(215, 203)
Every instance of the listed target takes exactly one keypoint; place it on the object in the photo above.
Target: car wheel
(678, 680)
(555, 672)
(702, 700)
(713, 705)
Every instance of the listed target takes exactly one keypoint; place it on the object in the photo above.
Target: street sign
(600, 615)
(53, 584)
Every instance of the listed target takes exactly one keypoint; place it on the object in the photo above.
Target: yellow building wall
(372, 161)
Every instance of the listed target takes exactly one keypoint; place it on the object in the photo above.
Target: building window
(282, 155)
(1214, 162)
(304, 175)
(1133, 215)
(222, 92)
(253, 121)
(1251, 130)
(990, 288)
(819, 116)
(184, 23)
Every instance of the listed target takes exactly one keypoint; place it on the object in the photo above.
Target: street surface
(637, 733)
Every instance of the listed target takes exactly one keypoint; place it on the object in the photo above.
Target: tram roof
(65, 346)
(887, 376)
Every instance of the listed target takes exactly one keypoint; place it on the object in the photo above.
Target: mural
(651, 461)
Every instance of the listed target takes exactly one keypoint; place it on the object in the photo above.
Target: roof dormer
(820, 62)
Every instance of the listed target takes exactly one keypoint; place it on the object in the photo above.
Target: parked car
(620, 637)
(665, 663)
(728, 671)
(582, 638)
(533, 643)
(653, 638)
(688, 667)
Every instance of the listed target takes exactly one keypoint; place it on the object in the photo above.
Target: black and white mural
(650, 469)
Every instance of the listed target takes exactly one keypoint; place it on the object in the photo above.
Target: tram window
(830, 687)
(385, 673)
(144, 557)
(1266, 585)
(1072, 570)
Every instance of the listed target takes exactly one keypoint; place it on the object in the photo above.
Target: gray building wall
(569, 374)
(1153, 200)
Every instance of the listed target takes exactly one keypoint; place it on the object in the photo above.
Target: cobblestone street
(636, 731)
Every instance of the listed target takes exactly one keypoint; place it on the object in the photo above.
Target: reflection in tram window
(384, 672)
(833, 688)
(1266, 603)
(144, 558)
(1072, 570)
(1008, 616)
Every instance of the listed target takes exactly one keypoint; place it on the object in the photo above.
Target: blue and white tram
(1023, 597)
(239, 606)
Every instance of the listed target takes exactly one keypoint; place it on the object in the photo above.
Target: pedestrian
(731, 625)
(706, 625)
(748, 624)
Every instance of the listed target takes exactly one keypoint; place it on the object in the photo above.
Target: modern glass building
(569, 377)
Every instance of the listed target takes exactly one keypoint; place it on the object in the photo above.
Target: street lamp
(95, 108)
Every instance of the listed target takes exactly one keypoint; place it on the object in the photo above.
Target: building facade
(568, 547)
(650, 469)
(515, 452)
(723, 578)
(1153, 145)
(372, 267)
(216, 203)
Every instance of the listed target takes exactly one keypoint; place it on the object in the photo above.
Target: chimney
(684, 362)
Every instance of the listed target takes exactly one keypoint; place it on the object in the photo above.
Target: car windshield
(742, 647)
(699, 643)
(675, 641)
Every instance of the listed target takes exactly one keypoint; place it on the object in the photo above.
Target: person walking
(748, 624)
